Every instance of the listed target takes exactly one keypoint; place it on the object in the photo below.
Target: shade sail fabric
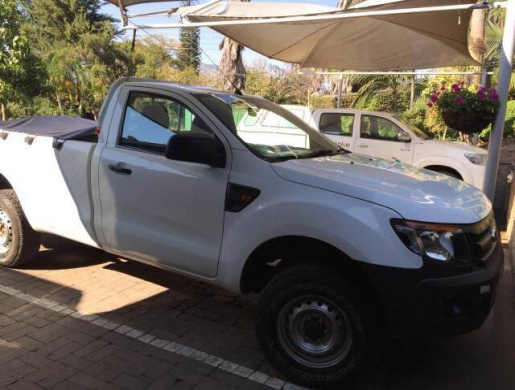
(389, 42)
(128, 3)
(62, 127)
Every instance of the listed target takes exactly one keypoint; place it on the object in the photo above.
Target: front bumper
(422, 305)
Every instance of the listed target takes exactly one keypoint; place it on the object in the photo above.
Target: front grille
(482, 240)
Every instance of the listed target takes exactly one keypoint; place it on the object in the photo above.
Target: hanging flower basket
(467, 122)
(468, 110)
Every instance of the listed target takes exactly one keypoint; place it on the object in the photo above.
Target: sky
(209, 39)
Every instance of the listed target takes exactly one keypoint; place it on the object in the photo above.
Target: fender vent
(238, 197)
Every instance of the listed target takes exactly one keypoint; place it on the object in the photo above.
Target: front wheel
(309, 327)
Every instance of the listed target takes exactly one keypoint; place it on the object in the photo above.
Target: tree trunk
(59, 103)
(231, 63)
(477, 39)
(3, 111)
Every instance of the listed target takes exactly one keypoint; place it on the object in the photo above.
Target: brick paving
(106, 323)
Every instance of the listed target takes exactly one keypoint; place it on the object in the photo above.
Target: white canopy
(128, 3)
(387, 42)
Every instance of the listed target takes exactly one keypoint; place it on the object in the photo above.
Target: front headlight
(476, 158)
(433, 241)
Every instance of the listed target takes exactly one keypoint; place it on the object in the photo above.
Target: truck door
(155, 209)
(381, 137)
(338, 127)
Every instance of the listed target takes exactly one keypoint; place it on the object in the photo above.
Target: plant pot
(467, 122)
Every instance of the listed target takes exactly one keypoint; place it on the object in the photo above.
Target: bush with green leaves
(509, 123)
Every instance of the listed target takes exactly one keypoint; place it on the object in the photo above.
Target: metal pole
(412, 97)
(133, 43)
(340, 87)
(484, 75)
(503, 86)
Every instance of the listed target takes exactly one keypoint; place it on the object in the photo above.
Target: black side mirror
(404, 137)
(196, 148)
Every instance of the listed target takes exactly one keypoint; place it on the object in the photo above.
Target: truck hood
(467, 148)
(416, 194)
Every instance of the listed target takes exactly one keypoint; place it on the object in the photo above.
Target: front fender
(358, 228)
(458, 166)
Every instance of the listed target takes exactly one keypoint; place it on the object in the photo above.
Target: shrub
(509, 124)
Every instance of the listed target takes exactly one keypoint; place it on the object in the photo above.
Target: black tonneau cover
(61, 127)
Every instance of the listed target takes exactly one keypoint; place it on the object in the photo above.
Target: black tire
(448, 173)
(19, 243)
(281, 323)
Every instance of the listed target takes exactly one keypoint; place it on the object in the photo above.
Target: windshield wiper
(324, 153)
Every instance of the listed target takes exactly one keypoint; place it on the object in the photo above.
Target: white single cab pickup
(342, 248)
(383, 135)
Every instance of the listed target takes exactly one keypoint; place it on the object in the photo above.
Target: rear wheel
(310, 328)
(19, 243)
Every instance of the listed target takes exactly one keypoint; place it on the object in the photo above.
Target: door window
(337, 124)
(375, 127)
(151, 120)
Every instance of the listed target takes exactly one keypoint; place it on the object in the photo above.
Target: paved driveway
(77, 318)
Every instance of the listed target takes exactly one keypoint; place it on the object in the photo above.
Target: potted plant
(468, 110)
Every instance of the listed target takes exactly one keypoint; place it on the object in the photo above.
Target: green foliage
(189, 52)
(509, 124)
(322, 101)
(77, 44)
(21, 73)
(418, 114)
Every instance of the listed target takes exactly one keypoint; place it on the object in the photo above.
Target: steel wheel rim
(314, 331)
(6, 233)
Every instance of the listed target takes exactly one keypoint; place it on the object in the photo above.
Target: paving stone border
(150, 339)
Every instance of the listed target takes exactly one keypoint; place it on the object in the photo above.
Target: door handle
(119, 169)
(362, 146)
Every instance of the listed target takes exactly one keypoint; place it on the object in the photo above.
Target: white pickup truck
(341, 247)
(383, 135)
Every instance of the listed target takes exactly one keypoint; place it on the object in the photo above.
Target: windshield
(419, 133)
(268, 130)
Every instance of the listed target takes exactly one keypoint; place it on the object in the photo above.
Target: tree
(371, 85)
(21, 72)
(77, 44)
(231, 63)
(189, 51)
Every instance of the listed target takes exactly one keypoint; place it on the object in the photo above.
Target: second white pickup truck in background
(383, 135)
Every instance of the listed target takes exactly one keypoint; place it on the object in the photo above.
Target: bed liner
(59, 127)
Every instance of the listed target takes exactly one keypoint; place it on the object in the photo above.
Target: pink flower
(459, 100)
(494, 96)
(456, 88)
(442, 89)
(434, 98)
(430, 105)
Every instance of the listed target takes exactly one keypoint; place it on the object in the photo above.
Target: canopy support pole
(340, 87)
(503, 86)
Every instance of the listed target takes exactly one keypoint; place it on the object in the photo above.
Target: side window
(375, 127)
(337, 124)
(151, 120)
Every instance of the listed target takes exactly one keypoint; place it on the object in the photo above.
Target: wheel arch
(277, 254)
(444, 169)
(4, 183)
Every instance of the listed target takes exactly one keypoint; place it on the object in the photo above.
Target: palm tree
(371, 85)
(231, 63)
